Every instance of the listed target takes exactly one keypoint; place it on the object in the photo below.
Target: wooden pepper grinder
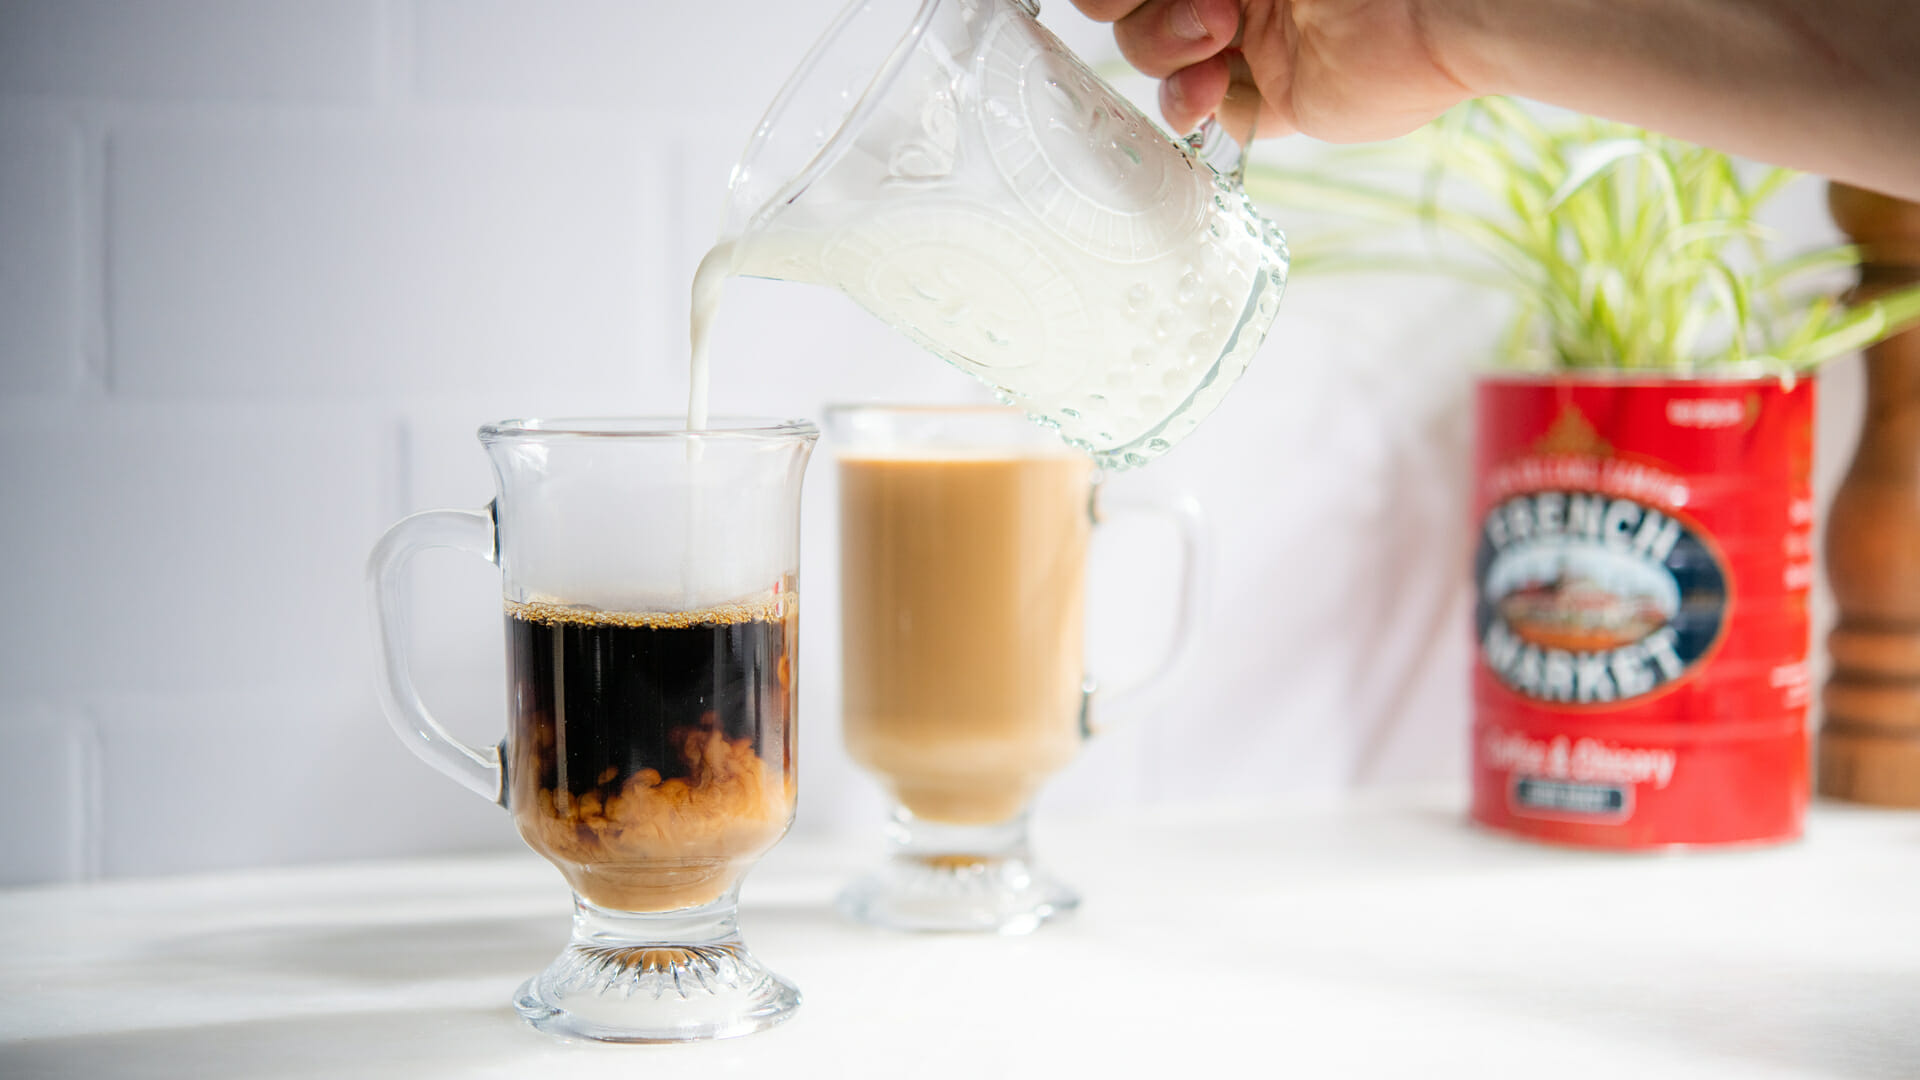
(1869, 745)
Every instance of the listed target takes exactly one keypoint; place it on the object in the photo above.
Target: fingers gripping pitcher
(964, 177)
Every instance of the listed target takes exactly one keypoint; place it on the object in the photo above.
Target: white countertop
(1381, 937)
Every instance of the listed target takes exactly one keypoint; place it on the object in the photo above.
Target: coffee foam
(933, 455)
(771, 606)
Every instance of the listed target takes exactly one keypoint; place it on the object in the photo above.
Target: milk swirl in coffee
(652, 753)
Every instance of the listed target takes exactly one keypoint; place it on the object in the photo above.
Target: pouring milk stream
(964, 177)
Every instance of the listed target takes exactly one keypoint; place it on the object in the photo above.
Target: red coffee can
(1642, 573)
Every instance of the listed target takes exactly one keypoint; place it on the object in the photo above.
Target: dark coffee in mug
(650, 754)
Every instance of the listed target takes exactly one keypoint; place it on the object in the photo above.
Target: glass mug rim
(975, 426)
(834, 408)
(647, 427)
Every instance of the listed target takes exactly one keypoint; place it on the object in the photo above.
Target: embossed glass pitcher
(963, 176)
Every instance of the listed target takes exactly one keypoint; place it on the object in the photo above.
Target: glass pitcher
(651, 610)
(960, 174)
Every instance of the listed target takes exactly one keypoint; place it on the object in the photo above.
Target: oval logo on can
(1586, 598)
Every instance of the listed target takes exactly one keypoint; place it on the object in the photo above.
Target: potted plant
(1643, 473)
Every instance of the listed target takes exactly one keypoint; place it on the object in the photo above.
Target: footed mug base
(978, 878)
(957, 893)
(676, 977)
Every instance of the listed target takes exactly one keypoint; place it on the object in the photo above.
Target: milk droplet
(1219, 313)
(1138, 298)
(1144, 357)
(1201, 344)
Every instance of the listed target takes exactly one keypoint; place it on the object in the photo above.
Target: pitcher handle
(1224, 152)
(478, 770)
(1195, 574)
(1219, 150)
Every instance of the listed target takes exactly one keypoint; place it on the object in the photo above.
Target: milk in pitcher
(990, 198)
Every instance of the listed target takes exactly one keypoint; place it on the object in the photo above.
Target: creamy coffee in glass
(963, 575)
(963, 587)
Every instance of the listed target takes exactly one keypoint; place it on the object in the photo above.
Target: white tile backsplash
(614, 54)
(45, 792)
(40, 257)
(184, 547)
(215, 780)
(223, 50)
(321, 241)
(377, 258)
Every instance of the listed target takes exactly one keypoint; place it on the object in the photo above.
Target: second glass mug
(650, 582)
(964, 537)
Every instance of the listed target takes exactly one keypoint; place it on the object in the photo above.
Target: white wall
(264, 266)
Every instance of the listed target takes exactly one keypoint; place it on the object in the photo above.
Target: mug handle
(477, 770)
(1195, 577)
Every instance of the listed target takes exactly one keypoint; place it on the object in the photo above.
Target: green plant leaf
(1772, 182)
(1590, 163)
(1827, 260)
(1862, 325)
(1624, 248)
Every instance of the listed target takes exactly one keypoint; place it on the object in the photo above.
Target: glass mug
(957, 171)
(963, 554)
(649, 583)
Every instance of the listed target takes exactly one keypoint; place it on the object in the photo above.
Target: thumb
(1194, 93)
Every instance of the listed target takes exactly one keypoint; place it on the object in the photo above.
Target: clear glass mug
(649, 578)
(964, 535)
(958, 172)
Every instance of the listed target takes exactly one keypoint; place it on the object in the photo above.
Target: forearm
(1830, 86)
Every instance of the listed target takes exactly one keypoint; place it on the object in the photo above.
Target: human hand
(1338, 70)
